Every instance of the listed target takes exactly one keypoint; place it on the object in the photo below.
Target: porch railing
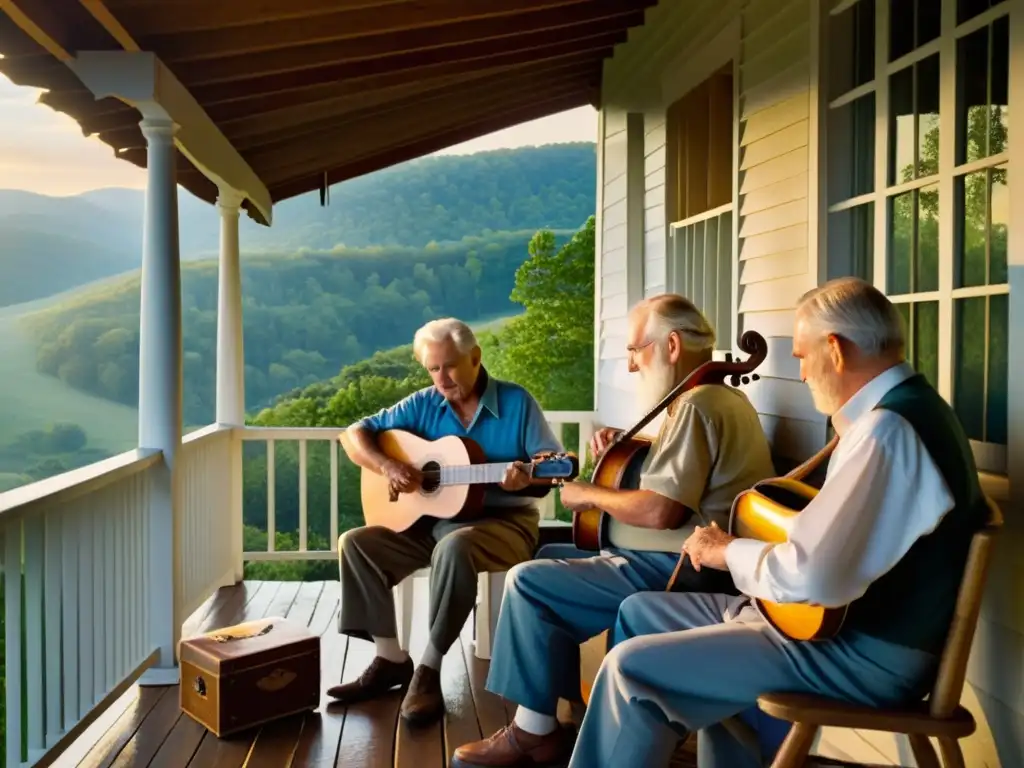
(299, 442)
(75, 552)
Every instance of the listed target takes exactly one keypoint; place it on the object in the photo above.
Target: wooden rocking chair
(940, 716)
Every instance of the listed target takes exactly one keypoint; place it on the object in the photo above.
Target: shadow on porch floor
(152, 731)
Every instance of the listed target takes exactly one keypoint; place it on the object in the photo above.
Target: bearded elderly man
(710, 447)
(887, 535)
(509, 426)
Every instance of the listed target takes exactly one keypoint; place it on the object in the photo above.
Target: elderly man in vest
(509, 426)
(888, 534)
(710, 447)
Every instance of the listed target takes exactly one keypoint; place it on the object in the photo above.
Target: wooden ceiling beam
(445, 101)
(252, 106)
(102, 14)
(330, 149)
(60, 28)
(368, 163)
(271, 123)
(286, 57)
(194, 25)
(409, 66)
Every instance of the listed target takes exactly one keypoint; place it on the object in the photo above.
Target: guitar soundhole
(431, 477)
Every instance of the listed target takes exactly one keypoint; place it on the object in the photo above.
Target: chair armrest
(820, 711)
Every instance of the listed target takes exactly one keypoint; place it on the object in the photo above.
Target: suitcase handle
(230, 638)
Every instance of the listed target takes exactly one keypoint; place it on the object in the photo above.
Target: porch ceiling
(320, 91)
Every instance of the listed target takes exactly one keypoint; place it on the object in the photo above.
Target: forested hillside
(549, 348)
(305, 317)
(50, 244)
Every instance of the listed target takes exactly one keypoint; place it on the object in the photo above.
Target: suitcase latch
(199, 686)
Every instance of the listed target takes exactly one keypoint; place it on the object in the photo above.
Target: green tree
(549, 349)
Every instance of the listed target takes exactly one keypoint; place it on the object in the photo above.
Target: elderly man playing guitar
(710, 447)
(887, 537)
(505, 421)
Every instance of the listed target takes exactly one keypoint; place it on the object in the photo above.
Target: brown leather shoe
(424, 702)
(512, 747)
(377, 679)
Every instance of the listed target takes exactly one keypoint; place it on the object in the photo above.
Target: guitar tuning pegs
(728, 357)
(755, 377)
(746, 379)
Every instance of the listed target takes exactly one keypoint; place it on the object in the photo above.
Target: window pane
(901, 126)
(914, 121)
(982, 200)
(851, 38)
(980, 367)
(969, 379)
(927, 98)
(998, 369)
(901, 245)
(851, 242)
(913, 264)
(968, 9)
(927, 265)
(921, 322)
(982, 93)
(851, 149)
(912, 23)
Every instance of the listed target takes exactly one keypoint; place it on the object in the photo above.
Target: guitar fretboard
(472, 474)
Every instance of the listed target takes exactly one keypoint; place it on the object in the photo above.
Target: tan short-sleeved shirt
(709, 449)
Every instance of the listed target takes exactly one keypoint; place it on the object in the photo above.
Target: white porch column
(231, 359)
(160, 390)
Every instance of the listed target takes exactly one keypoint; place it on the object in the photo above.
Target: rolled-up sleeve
(681, 463)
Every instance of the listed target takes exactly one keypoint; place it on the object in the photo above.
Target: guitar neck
(474, 474)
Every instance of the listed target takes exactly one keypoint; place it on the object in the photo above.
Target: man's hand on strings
(706, 547)
(402, 477)
(601, 439)
(517, 477)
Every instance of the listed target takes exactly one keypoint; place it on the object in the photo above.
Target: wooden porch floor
(154, 732)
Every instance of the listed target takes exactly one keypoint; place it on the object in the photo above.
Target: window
(699, 165)
(917, 167)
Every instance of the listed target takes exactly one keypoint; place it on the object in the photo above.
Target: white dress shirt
(881, 493)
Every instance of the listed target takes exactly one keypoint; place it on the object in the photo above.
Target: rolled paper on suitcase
(239, 677)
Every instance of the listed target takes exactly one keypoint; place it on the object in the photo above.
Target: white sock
(388, 648)
(431, 657)
(535, 722)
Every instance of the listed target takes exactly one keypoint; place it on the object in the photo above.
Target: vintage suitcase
(242, 676)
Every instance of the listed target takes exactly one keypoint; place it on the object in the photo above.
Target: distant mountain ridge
(52, 244)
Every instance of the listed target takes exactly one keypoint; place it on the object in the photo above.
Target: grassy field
(34, 401)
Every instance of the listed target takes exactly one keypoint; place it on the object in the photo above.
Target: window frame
(681, 78)
(990, 457)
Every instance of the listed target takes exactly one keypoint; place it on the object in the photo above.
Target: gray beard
(654, 386)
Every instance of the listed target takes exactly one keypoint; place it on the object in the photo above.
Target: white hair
(441, 330)
(668, 312)
(855, 310)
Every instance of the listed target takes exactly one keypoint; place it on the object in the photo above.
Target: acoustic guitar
(766, 513)
(455, 472)
(620, 463)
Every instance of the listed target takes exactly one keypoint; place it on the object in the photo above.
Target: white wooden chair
(490, 588)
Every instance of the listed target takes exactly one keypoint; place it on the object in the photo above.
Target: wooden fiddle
(620, 464)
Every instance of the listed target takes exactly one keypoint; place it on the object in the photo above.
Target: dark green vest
(912, 604)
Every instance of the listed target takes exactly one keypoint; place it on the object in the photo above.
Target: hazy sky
(44, 151)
